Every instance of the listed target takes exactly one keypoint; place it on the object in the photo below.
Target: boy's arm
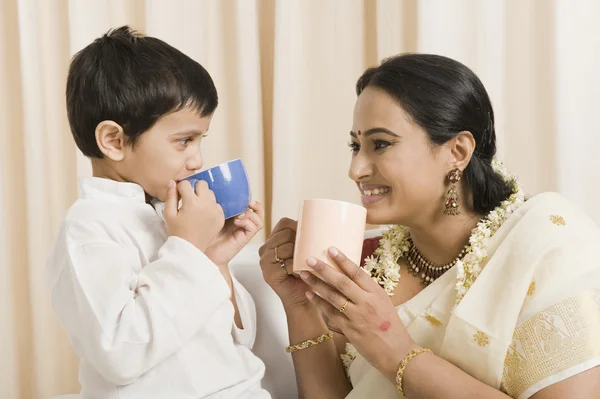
(126, 319)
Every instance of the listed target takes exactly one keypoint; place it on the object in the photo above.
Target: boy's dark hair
(132, 80)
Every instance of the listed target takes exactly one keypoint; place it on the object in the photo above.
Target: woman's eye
(380, 144)
(354, 147)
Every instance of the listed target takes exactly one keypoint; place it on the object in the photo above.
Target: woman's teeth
(377, 191)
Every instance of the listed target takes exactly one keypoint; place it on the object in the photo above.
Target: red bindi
(385, 326)
(359, 133)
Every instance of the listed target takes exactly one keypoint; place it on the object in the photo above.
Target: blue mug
(229, 182)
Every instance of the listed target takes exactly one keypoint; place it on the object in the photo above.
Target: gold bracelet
(309, 342)
(404, 363)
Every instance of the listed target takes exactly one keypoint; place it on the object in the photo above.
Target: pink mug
(324, 223)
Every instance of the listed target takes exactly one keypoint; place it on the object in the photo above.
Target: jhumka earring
(451, 199)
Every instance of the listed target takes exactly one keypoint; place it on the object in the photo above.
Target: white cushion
(272, 332)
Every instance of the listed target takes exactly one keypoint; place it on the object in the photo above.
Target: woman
(475, 292)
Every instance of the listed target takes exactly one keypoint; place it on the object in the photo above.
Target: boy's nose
(194, 163)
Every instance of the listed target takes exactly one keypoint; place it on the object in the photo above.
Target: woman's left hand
(361, 309)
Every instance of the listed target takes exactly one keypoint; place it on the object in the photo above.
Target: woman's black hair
(445, 98)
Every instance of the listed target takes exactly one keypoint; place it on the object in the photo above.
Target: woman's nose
(361, 167)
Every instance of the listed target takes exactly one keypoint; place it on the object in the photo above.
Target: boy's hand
(236, 234)
(199, 219)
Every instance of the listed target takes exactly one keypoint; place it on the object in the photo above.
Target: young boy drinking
(145, 293)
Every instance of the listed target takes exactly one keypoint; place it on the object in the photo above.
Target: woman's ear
(111, 140)
(461, 150)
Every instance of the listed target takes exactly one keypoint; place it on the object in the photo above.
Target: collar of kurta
(99, 188)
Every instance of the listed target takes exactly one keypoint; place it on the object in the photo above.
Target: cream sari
(532, 317)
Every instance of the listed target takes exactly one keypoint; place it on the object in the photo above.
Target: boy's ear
(111, 140)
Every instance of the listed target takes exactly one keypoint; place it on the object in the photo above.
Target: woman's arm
(319, 370)
(581, 386)
(430, 377)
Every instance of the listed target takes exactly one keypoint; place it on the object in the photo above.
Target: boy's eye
(187, 140)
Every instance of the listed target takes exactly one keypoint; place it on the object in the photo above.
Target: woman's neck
(441, 241)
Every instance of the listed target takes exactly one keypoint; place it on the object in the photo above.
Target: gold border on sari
(553, 340)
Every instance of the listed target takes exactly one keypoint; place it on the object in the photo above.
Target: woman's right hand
(290, 288)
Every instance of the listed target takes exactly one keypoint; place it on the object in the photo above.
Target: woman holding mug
(475, 292)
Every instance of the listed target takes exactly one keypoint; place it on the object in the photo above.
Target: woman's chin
(377, 218)
(383, 216)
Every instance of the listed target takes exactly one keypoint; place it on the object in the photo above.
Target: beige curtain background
(285, 71)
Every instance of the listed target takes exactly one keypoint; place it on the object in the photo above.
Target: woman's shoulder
(550, 226)
(552, 214)
(543, 202)
(560, 240)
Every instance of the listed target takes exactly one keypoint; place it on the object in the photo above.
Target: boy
(145, 292)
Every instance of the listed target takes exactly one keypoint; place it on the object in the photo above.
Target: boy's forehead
(184, 120)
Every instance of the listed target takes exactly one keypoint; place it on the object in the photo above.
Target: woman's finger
(337, 279)
(326, 292)
(279, 271)
(285, 251)
(287, 266)
(285, 224)
(356, 273)
(278, 239)
(340, 320)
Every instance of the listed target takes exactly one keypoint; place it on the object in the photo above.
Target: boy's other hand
(236, 234)
(199, 219)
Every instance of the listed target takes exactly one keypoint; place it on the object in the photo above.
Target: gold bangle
(404, 363)
(309, 342)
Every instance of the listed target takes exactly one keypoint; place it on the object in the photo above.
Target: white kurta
(149, 315)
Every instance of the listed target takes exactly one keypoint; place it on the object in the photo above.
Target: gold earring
(451, 199)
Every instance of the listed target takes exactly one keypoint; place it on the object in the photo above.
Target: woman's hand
(361, 309)
(277, 264)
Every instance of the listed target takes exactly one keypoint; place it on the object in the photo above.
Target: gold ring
(277, 259)
(282, 263)
(343, 308)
